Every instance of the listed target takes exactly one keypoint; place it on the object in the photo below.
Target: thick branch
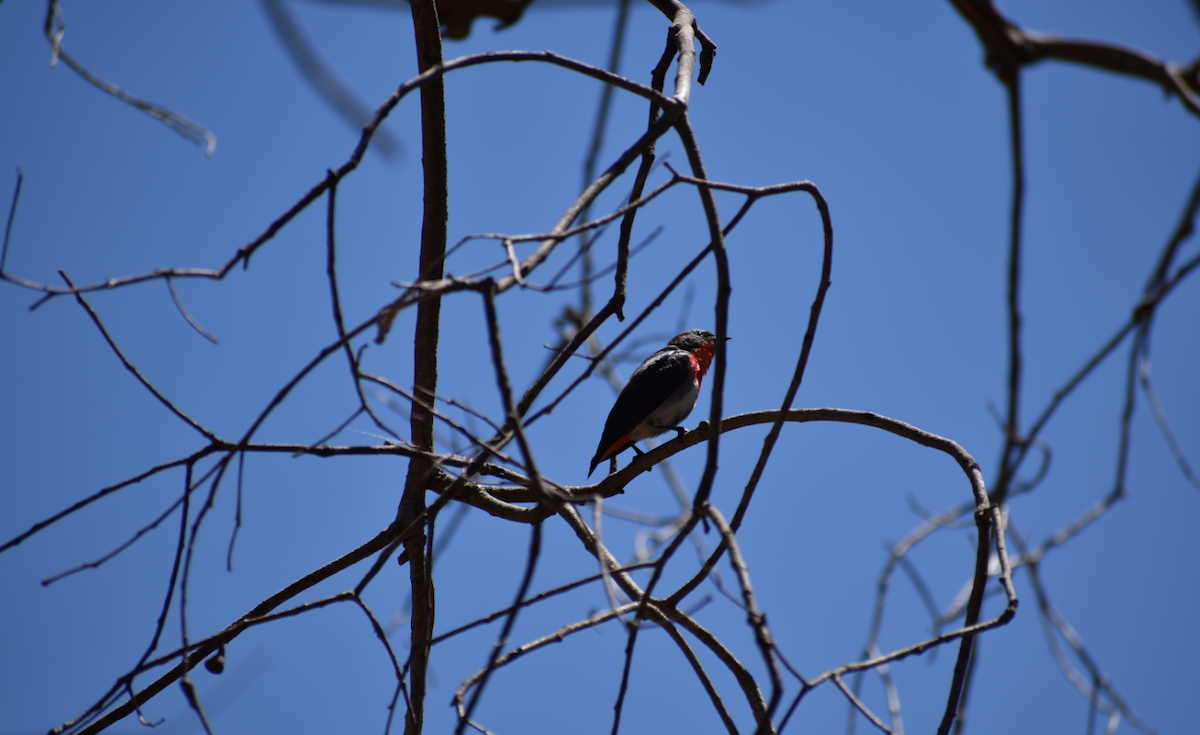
(425, 354)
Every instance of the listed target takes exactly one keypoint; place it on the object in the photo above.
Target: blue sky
(887, 107)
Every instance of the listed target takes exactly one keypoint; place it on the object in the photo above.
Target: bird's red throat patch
(702, 358)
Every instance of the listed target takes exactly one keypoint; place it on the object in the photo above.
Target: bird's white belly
(669, 414)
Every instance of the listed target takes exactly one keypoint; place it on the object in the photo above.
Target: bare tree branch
(55, 28)
(1008, 45)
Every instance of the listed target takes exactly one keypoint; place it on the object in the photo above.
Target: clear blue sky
(887, 107)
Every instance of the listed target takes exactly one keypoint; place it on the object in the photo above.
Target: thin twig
(130, 366)
(857, 704)
(55, 27)
(755, 618)
(187, 315)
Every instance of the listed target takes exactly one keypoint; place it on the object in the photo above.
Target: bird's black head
(692, 340)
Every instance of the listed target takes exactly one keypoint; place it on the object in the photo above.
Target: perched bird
(659, 394)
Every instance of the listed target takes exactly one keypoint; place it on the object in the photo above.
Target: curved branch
(1009, 46)
(648, 460)
(56, 26)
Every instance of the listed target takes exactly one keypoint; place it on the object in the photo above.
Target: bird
(659, 395)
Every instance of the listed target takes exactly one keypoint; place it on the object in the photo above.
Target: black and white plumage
(659, 395)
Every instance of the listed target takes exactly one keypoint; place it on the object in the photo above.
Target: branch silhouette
(491, 456)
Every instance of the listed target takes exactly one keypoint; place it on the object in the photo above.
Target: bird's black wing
(650, 385)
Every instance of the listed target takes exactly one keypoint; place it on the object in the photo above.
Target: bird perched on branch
(659, 394)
